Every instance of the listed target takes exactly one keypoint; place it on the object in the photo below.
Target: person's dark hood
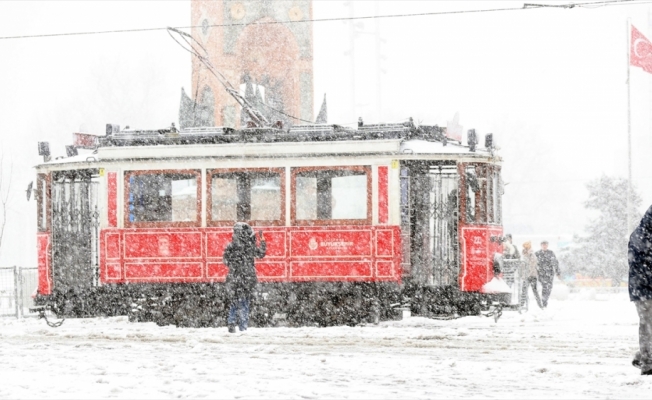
(243, 235)
(640, 241)
(640, 260)
(646, 223)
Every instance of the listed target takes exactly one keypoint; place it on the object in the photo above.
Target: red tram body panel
(44, 264)
(477, 256)
(294, 254)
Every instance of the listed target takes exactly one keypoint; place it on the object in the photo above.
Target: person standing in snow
(548, 268)
(509, 250)
(529, 274)
(241, 280)
(640, 289)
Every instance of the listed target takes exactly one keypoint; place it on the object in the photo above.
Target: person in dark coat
(640, 289)
(548, 267)
(241, 280)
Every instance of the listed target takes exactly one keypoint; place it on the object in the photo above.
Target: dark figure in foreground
(529, 274)
(241, 280)
(548, 268)
(640, 289)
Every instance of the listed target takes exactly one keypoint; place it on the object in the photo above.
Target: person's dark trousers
(546, 289)
(239, 312)
(531, 281)
(644, 309)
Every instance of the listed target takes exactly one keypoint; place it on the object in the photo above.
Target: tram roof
(403, 139)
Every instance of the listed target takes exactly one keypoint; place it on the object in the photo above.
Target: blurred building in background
(263, 49)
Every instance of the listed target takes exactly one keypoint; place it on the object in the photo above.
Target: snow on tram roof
(80, 158)
(419, 146)
(316, 139)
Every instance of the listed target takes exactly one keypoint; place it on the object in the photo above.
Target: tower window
(204, 26)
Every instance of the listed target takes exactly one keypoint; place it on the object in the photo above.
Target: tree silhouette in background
(602, 253)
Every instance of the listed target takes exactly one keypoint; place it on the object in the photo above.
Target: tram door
(429, 215)
(75, 229)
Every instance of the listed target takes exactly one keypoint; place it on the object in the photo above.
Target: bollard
(16, 300)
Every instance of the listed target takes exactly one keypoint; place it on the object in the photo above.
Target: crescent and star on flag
(641, 51)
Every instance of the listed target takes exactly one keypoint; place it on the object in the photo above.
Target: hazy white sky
(551, 83)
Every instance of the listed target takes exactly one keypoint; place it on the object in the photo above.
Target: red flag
(641, 51)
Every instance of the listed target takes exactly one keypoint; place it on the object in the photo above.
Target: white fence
(17, 286)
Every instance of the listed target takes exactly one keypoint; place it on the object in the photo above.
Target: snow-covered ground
(578, 348)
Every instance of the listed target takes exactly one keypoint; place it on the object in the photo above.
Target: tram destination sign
(85, 141)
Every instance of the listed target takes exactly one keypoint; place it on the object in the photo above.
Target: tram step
(37, 309)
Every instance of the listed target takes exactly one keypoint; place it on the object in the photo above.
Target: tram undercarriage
(293, 304)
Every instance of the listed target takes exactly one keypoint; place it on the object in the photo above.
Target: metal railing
(17, 286)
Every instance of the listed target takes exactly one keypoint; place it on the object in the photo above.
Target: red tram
(357, 222)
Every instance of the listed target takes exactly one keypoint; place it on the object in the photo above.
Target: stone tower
(263, 49)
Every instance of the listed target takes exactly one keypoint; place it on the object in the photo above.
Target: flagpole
(629, 131)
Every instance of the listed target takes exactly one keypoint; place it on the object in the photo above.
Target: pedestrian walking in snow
(529, 273)
(548, 268)
(640, 289)
(241, 280)
(510, 251)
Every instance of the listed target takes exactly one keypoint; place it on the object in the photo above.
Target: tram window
(42, 202)
(481, 206)
(332, 195)
(266, 198)
(498, 190)
(252, 196)
(472, 192)
(155, 197)
(491, 191)
(483, 195)
(225, 199)
(493, 196)
(405, 197)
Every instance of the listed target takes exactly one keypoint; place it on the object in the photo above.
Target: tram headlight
(71, 151)
(44, 148)
(471, 139)
(489, 141)
(111, 129)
